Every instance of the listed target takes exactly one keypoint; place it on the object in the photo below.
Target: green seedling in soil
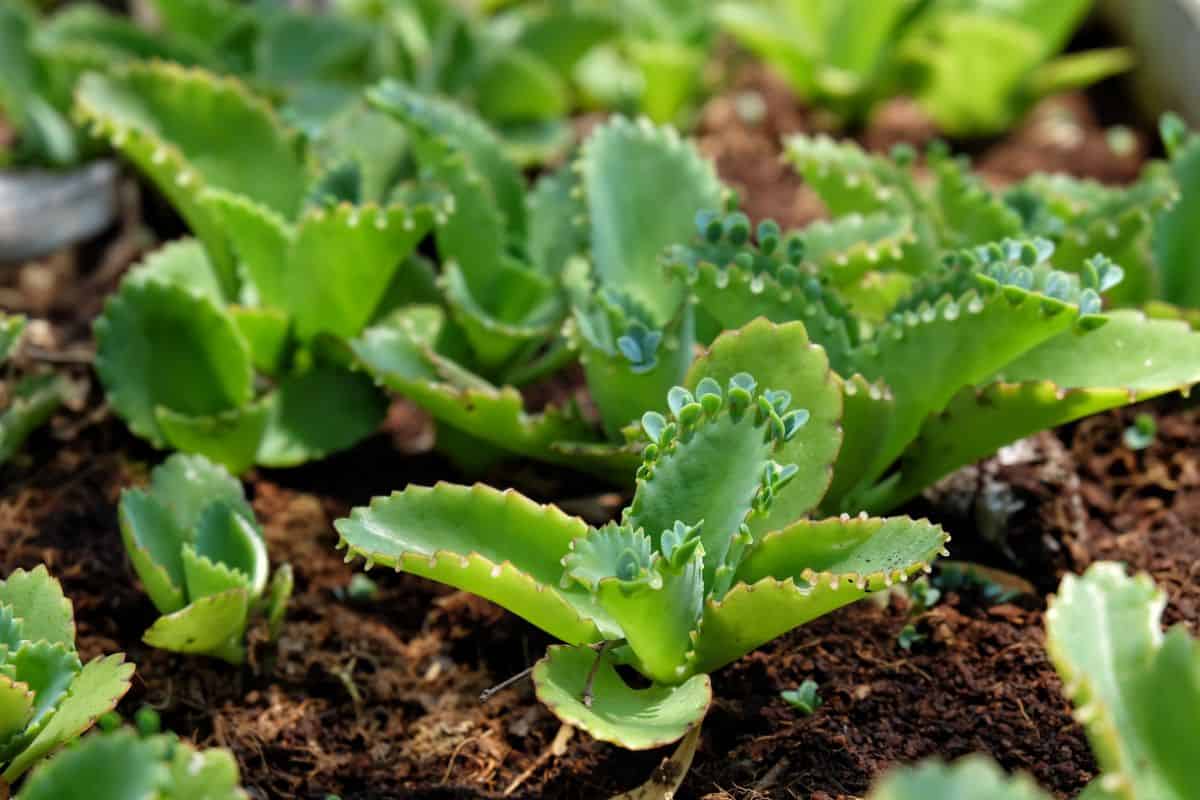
(194, 542)
(26, 403)
(42, 58)
(713, 558)
(804, 699)
(48, 697)
(583, 246)
(1175, 229)
(1136, 692)
(975, 67)
(996, 343)
(1141, 433)
(228, 345)
(910, 223)
(120, 765)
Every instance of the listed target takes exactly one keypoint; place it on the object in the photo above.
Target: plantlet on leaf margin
(202, 558)
(47, 696)
(700, 569)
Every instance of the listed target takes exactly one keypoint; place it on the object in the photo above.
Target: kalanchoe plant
(121, 765)
(48, 695)
(584, 243)
(975, 66)
(25, 403)
(1136, 691)
(995, 344)
(254, 308)
(194, 541)
(909, 224)
(1174, 253)
(712, 558)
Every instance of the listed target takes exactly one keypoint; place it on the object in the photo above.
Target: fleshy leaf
(498, 545)
(782, 358)
(299, 426)
(95, 691)
(153, 540)
(16, 708)
(1136, 691)
(160, 345)
(38, 600)
(33, 400)
(624, 166)
(806, 570)
(187, 485)
(1174, 246)
(187, 129)
(230, 438)
(206, 577)
(183, 263)
(971, 778)
(116, 766)
(636, 719)
(48, 670)
(212, 626)
(11, 328)
(226, 537)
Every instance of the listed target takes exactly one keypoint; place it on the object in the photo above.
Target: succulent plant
(47, 694)
(713, 558)
(849, 56)
(121, 766)
(1136, 691)
(194, 542)
(1177, 261)
(27, 402)
(993, 345)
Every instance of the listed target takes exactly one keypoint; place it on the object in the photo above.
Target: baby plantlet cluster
(994, 344)
(712, 558)
(27, 403)
(194, 542)
(121, 765)
(1136, 692)
(849, 56)
(47, 694)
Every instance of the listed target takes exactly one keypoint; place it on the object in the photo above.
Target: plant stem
(587, 686)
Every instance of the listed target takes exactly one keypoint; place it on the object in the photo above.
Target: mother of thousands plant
(713, 557)
(47, 695)
(194, 541)
(222, 345)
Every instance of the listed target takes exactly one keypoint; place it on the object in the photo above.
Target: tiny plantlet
(1136, 691)
(194, 542)
(48, 695)
(25, 404)
(121, 765)
(712, 558)
(804, 698)
(1141, 433)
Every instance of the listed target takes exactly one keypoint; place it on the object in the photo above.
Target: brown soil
(379, 699)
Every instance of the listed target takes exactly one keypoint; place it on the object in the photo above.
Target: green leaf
(116, 766)
(187, 485)
(206, 577)
(341, 262)
(187, 130)
(1137, 692)
(94, 692)
(16, 708)
(38, 600)
(299, 426)
(34, 400)
(230, 438)
(278, 595)
(183, 263)
(48, 670)
(1174, 248)
(227, 537)
(463, 132)
(808, 569)
(558, 227)
(781, 357)
(153, 540)
(624, 166)
(517, 86)
(867, 414)
(212, 626)
(398, 356)
(636, 719)
(160, 345)
(11, 328)
(971, 778)
(498, 545)
(204, 775)
(260, 238)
